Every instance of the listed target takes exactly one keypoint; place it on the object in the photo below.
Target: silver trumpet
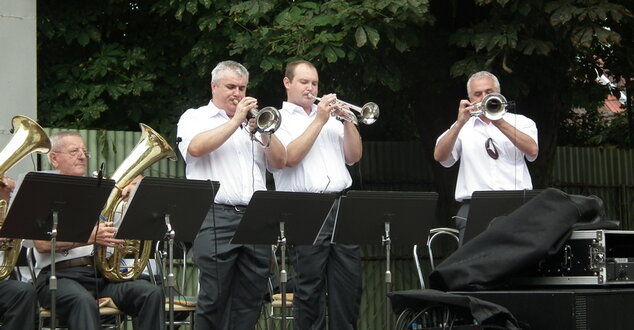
(492, 106)
(367, 114)
(267, 120)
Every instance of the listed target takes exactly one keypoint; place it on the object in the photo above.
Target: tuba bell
(28, 137)
(150, 149)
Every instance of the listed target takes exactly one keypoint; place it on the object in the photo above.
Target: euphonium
(28, 137)
(150, 149)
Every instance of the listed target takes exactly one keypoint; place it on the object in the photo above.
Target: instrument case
(588, 257)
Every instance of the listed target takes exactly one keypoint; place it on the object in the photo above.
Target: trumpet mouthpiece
(235, 101)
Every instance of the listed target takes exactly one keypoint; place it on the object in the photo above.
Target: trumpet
(267, 120)
(367, 114)
(492, 106)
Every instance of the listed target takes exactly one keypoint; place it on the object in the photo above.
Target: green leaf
(83, 38)
(192, 6)
(308, 5)
(360, 36)
(206, 3)
(373, 36)
(400, 46)
(266, 65)
(330, 54)
(323, 20)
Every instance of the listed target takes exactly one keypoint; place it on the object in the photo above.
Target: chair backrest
(29, 256)
(487, 205)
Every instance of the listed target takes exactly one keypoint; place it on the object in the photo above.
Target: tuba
(150, 149)
(28, 137)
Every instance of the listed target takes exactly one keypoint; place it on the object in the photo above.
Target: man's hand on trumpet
(325, 107)
(464, 111)
(243, 107)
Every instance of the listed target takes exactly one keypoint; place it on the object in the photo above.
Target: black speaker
(569, 308)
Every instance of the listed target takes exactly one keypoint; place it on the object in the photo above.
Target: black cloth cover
(486, 313)
(532, 232)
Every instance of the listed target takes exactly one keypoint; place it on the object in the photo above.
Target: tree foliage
(112, 63)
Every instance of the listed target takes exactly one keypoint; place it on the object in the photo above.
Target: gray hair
(219, 71)
(480, 75)
(56, 139)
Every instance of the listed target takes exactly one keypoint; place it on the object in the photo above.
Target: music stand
(397, 216)
(486, 205)
(43, 199)
(272, 214)
(163, 208)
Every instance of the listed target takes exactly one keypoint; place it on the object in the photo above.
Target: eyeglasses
(76, 152)
(491, 149)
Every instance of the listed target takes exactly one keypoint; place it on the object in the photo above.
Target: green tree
(111, 64)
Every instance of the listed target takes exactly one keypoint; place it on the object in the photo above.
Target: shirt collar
(213, 110)
(292, 107)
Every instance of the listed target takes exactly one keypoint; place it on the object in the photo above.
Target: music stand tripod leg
(170, 277)
(388, 275)
(52, 284)
(283, 275)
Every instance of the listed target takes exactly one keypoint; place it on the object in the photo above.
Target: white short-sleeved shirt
(477, 170)
(238, 164)
(44, 259)
(323, 169)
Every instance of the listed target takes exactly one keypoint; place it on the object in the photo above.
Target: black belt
(75, 262)
(236, 208)
(341, 193)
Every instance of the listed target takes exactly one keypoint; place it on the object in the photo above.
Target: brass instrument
(493, 106)
(28, 137)
(367, 114)
(267, 120)
(150, 149)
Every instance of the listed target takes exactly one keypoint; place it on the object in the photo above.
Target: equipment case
(588, 257)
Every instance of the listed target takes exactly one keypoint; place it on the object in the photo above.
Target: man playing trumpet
(492, 153)
(319, 147)
(216, 145)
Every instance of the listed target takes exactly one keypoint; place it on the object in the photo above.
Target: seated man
(79, 282)
(17, 306)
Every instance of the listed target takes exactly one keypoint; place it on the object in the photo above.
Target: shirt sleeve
(189, 125)
(528, 127)
(455, 152)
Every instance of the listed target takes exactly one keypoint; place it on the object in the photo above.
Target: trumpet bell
(493, 106)
(369, 113)
(268, 120)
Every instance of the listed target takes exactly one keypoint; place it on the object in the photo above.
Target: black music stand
(486, 205)
(399, 216)
(164, 208)
(48, 206)
(271, 215)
